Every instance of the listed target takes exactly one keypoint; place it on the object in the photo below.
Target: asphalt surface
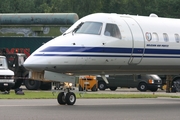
(93, 109)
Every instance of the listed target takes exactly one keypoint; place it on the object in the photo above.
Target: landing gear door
(137, 39)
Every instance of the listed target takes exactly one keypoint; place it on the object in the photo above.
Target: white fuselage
(145, 45)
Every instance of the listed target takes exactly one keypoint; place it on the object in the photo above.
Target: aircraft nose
(35, 63)
(32, 63)
(28, 64)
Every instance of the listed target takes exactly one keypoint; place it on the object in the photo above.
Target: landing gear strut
(66, 97)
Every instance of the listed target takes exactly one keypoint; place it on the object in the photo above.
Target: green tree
(5, 6)
(105, 6)
(81, 7)
(164, 8)
(169, 8)
(22, 6)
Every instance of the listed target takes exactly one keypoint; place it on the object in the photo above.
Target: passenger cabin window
(90, 28)
(112, 30)
(166, 38)
(155, 37)
(177, 38)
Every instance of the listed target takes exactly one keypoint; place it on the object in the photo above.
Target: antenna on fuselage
(153, 15)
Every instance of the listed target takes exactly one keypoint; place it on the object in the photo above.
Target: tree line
(163, 8)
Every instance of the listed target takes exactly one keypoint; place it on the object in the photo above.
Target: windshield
(3, 63)
(155, 77)
(90, 28)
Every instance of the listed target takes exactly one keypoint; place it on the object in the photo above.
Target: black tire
(61, 98)
(45, 86)
(142, 87)
(32, 84)
(173, 90)
(80, 88)
(113, 88)
(176, 85)
(5, 89)
(153, 89)
(8, 89)
(101, 85)
(70, 98)
(94, 88)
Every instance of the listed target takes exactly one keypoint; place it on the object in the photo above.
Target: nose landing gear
(66, 97)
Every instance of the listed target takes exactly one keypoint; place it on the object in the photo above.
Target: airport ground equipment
(15, 63)
(25, 32)
(170, 83)
(141, 82)
(88, 83)
(6, 76)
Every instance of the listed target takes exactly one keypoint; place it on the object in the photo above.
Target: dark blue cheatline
(87, 49)
(83, 55)
(91, 55)
(96, 52)
(110, 50)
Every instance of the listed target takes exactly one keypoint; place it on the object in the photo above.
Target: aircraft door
(138, 44)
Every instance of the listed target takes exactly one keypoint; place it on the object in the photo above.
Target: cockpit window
(112, 30)
(90, 28)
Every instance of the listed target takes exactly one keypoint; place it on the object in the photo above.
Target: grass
(29, 95)
(48, 95)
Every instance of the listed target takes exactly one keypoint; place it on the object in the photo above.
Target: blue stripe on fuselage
(110, 50)
(90, 55)
(83, 55)
(87, 49)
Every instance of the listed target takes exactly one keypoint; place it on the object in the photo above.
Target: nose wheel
(68, 98)
(61, 98)
(65, 96)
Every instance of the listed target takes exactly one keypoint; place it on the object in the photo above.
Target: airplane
(109, 43)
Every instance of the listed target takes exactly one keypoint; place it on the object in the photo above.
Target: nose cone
(33, 63)
(29, 63)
